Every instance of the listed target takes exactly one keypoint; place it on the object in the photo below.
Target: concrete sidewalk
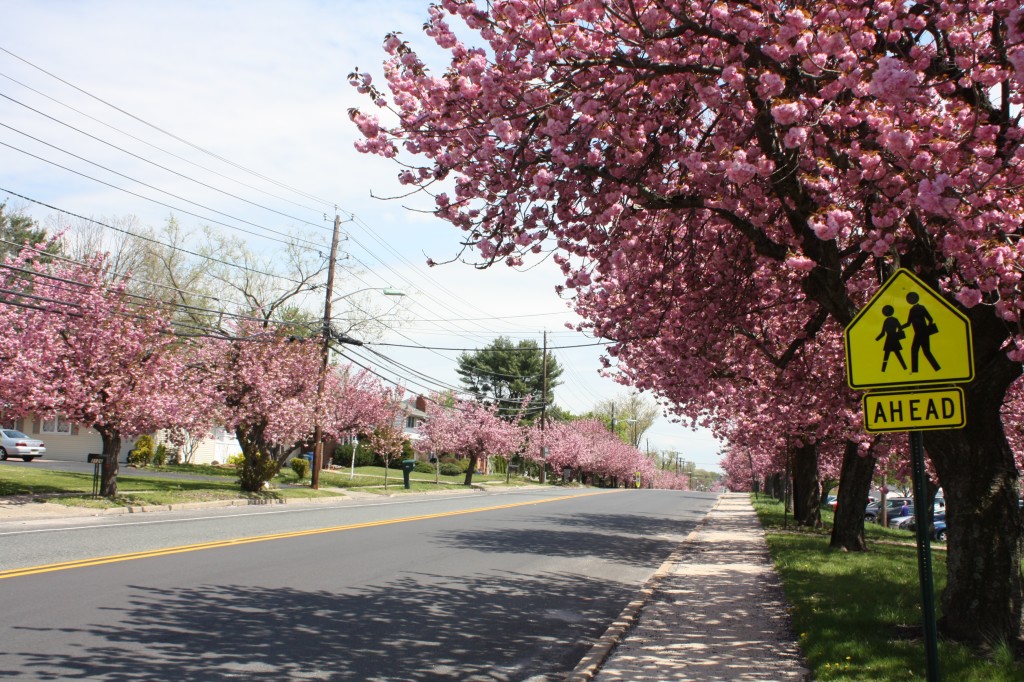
(714, 611)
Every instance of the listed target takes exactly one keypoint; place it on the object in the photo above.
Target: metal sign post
(918, 392)
(924, 556)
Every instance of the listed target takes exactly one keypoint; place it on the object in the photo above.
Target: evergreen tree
(16, 229)
(508, 375)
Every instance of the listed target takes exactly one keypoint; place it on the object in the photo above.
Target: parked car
(893, 506)
(939, 522)
(903, 522)
(17, 444)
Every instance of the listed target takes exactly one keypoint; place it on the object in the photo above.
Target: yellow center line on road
(97, 561)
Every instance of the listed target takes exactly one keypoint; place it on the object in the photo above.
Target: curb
(592, 661)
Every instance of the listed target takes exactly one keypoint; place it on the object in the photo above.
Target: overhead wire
(148, 239)
(168, 133)
(149, 161)
(467, 333)
(158, 148)
(317, 247)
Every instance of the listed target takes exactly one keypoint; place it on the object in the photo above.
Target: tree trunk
(854, 486)
(111, 449)
(470, 470)
(259, 465)
(806, 489)
(984, 596)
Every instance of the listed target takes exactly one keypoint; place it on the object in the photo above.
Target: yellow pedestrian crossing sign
(908, 335)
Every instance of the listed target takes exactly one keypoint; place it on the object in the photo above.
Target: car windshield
(11, 433)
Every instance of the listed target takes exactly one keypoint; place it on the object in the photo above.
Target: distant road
(486, 586)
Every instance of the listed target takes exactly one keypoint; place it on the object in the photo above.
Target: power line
(150, 239)
(315, 246)
(161, 149)
(169, 134)
(483, 350)
(144, 159)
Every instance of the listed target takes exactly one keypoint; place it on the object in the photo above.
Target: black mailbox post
(97, 462)
(407, 466)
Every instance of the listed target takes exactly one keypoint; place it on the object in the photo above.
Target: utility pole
(544, 411)
(325, 355)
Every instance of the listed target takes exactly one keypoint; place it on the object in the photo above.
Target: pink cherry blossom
(670, 175)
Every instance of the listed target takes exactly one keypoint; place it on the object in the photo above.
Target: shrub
(142, 453)
(160, 455)
(236, 460)
(342, 456)
(300, 465)
(423, 468)
(451, 469)
(463, 464)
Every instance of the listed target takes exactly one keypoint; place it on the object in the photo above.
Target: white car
(17, 444)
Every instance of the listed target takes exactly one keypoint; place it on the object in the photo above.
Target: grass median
(858, 614)
(167, 485)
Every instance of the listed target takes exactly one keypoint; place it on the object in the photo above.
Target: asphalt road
(491, 586)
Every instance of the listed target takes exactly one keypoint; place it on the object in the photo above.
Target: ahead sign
(908, 335)
(930, 408)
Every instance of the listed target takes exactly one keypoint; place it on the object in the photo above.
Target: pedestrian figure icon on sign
(893, 333)
(924, 326)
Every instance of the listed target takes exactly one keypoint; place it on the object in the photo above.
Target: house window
(410, 423)
(56, 425)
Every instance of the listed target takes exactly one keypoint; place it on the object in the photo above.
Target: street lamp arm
(385, 291)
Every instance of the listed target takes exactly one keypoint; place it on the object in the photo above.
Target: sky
(233, 115)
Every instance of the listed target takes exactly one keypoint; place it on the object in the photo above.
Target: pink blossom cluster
(466, 428)
(707, 207)
(79, 344)
(589, 450)
(725, 184)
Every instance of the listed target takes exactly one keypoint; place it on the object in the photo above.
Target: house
(64, 440)
(413, 415)
(217, 446)
(71, 442)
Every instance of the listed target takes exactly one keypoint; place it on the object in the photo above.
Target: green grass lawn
(75, 489)
(858, 614)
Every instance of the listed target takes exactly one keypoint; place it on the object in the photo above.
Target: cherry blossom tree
(265, 383)
(82, 347)
(592, 452)
(785, 155)
(467, 429)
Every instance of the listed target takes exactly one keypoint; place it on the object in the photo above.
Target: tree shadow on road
(415, 628)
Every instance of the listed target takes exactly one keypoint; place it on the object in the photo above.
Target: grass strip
(858, 614)
(219, 483)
